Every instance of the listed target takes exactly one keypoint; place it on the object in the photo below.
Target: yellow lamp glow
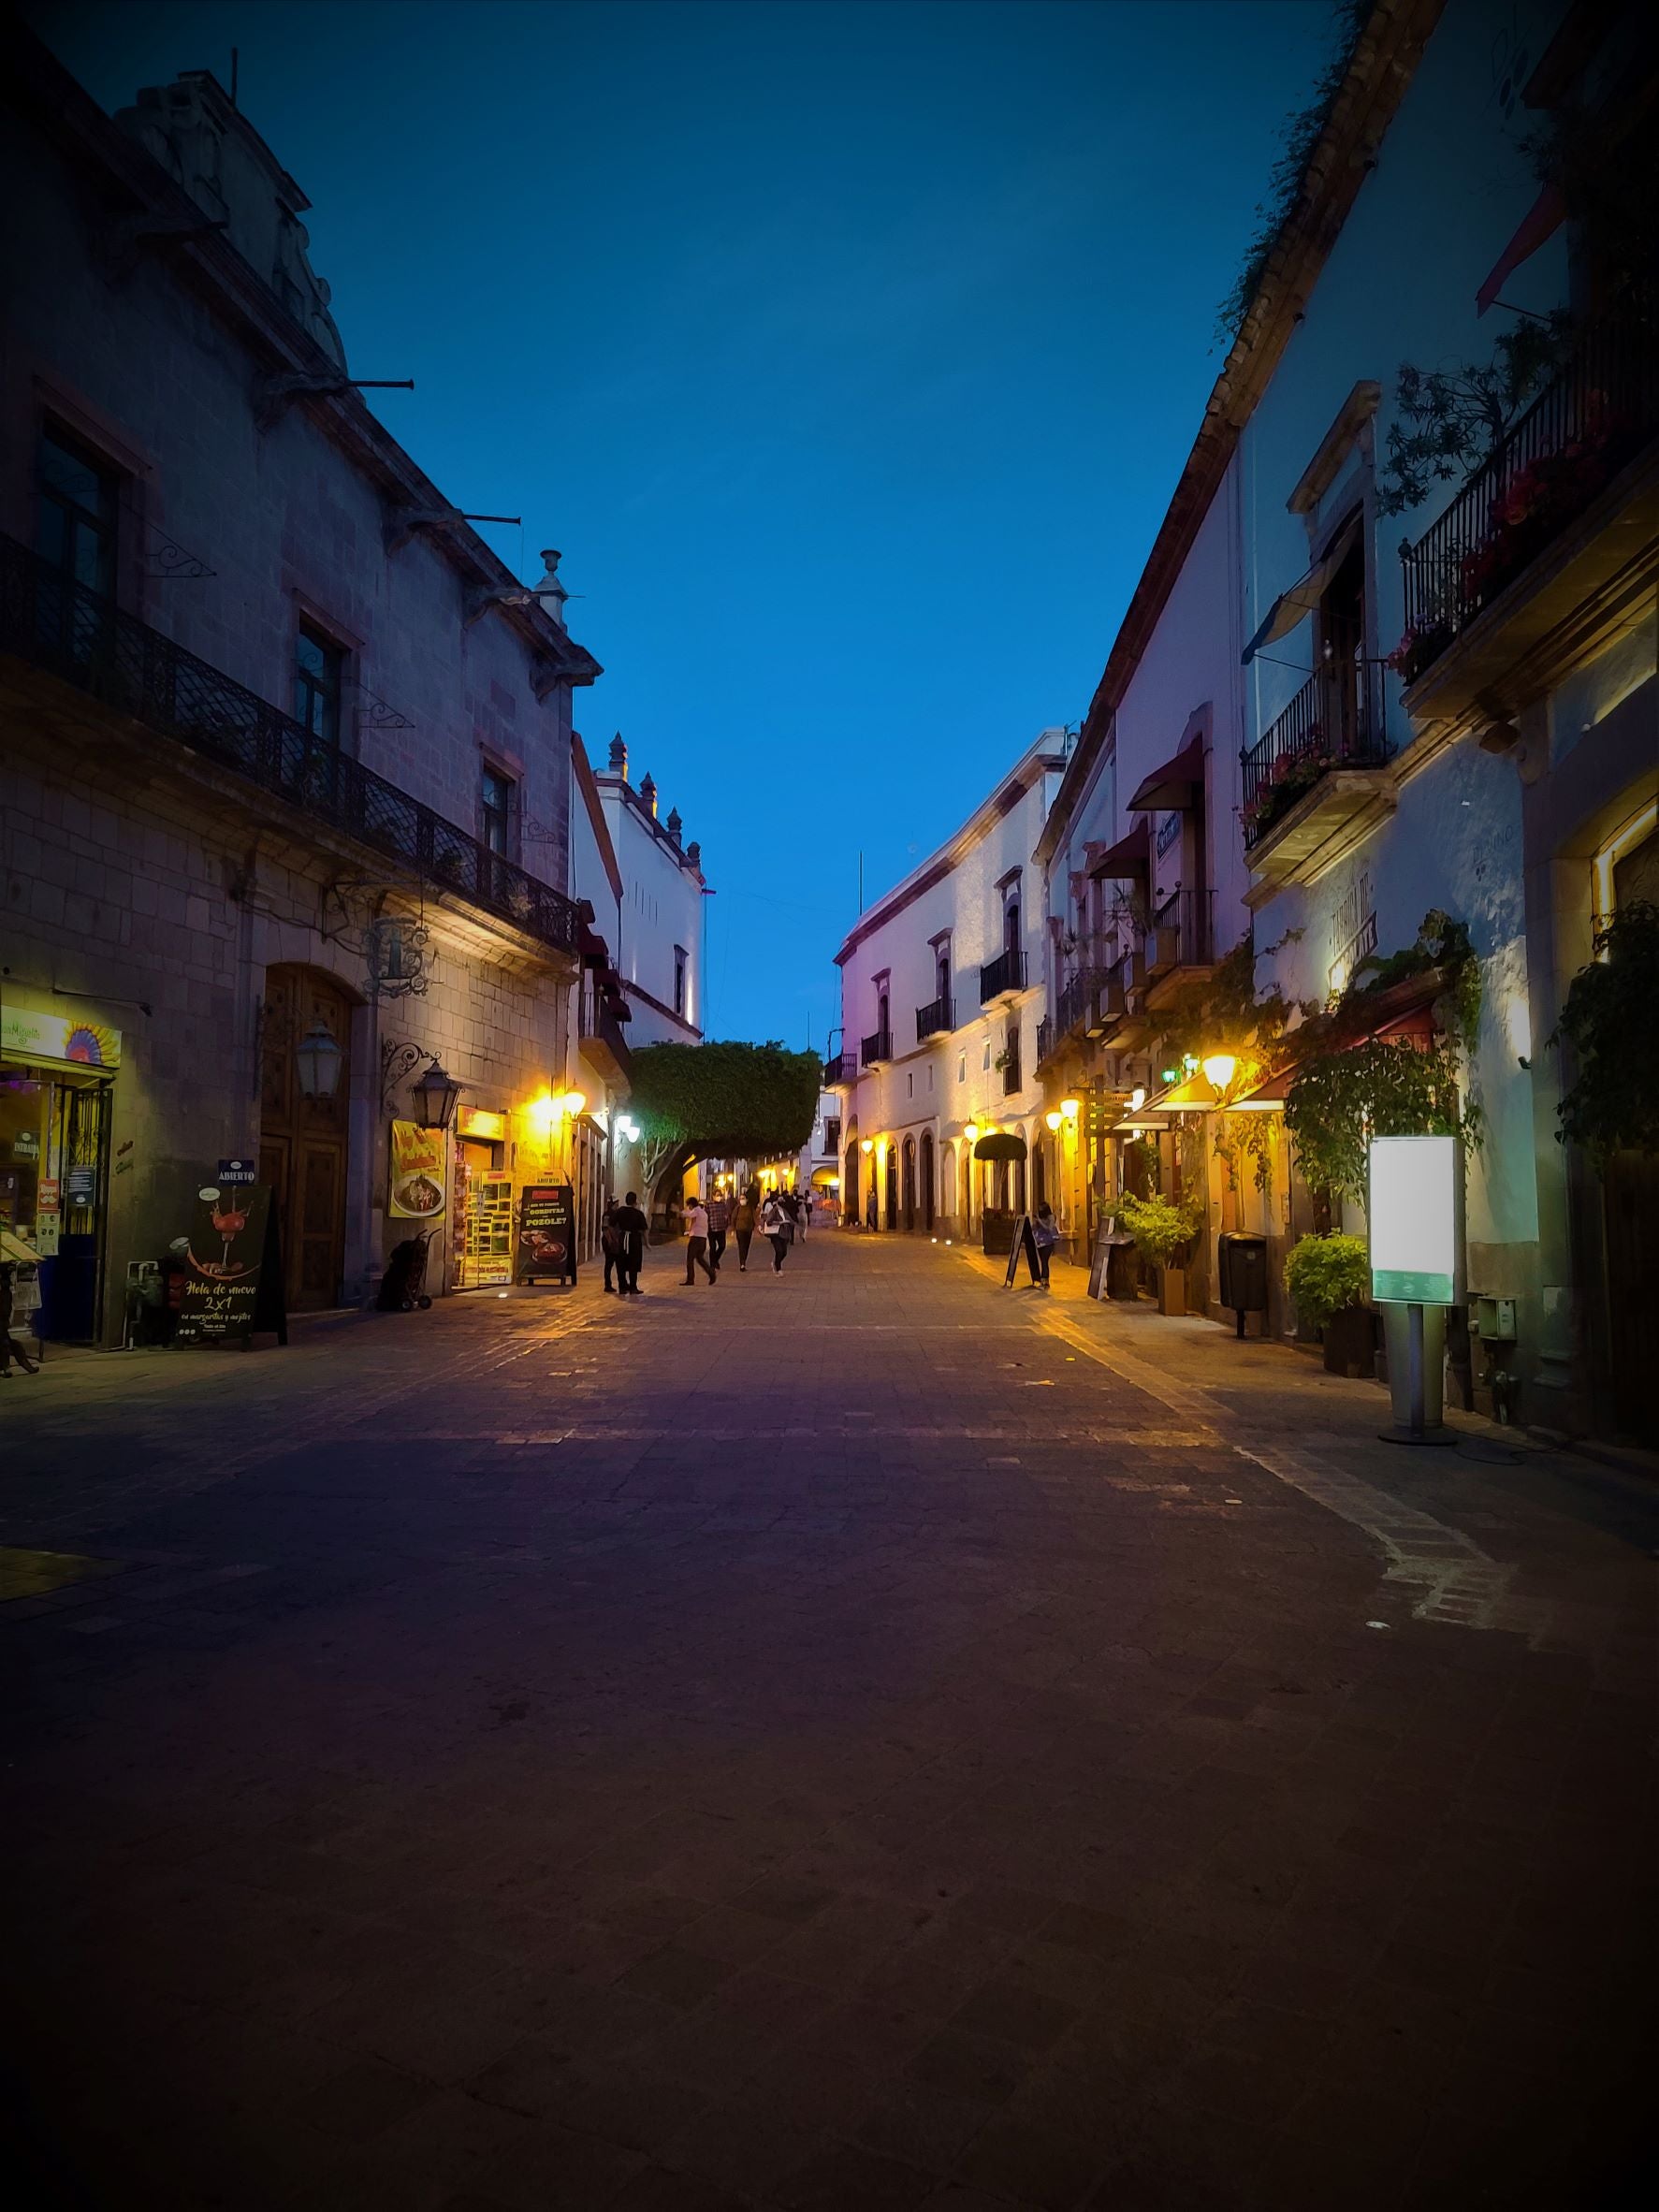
(1054, 1120)
(1219, 1070)
(1137, 1098)
(972, 1132)
(543, 1111)
(574, 1101)
(1071, 1108)
(866, 1147)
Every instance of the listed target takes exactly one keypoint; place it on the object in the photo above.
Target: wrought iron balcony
(85, 640)
(598, 1026)
(879, 1047)
(931, 1020)
(1334, 722)
(1182, 932)
(1045, 1039)
(1007, 972)
(835, 1069)
(1583, 427)
(1075, 1007)
(1012, 1077)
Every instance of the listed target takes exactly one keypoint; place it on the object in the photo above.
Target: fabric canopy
(1000, 1144)
(1130, 856)
(1175, 785)
(1296, 605)
(1537, 226)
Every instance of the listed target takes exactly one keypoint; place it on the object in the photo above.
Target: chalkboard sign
(1022, 1242)
(547, 1232)
(233, 1280)
(1103, 1242)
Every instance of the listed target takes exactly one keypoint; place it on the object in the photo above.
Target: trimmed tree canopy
(724, 1098)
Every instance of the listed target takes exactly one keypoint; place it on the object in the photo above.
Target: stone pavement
(861, 1740)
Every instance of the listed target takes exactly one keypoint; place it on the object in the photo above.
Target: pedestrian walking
(806, 1211)
(1045, 1235)
(697, 1241)
(720, 1215)
(777, 1230)
(870, 1205)
(743, 1221)
(610, 1244)
(631, 1227)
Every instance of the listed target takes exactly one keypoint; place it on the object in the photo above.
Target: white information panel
(1414, 1215)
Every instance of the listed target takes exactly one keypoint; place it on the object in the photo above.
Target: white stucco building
(659, 946)
(941, 987)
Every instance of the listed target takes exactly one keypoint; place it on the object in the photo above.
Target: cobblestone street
(861, 1739)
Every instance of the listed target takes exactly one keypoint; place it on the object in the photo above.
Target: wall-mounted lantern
(317, 1057)
(435, 1096)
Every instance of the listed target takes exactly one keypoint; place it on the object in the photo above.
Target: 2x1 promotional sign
(228, 1245)
(546, 1231)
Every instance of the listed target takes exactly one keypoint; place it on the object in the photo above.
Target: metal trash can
(1243, 1273)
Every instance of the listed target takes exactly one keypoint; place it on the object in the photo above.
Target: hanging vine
(1612, 1103)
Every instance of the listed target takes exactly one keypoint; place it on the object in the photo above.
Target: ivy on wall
(1611, 1021)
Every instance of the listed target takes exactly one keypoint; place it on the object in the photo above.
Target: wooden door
(303, 1141)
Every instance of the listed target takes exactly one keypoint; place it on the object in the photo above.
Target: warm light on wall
(543, 1111)
(1219, 1070)
(575, 1102)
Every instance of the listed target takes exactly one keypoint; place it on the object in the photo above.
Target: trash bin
(1243, 1273)
(1123, 1268)
(996, 1228)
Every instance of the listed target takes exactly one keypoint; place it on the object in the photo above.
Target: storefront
(57, 1077)
(483, 1210)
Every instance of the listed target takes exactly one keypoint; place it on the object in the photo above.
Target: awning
(1536, 227)
(1194, 1093)
(1296, 605)
(1175, 786)
(1130, 856)
(1000, 1144)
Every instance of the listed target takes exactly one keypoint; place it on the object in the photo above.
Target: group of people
(779, 1215)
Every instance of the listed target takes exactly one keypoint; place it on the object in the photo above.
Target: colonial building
(284, 750)
(659, 945)
(941, 987)
(1312, 736)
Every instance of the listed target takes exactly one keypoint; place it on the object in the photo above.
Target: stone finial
(674, 824)
(694, 853)
(620, 756)
(648, 791)
(550, 591)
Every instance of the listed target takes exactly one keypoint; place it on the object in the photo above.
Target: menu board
(546, 1231)
(233, 1273)
(486, 1251)
(415, 1192)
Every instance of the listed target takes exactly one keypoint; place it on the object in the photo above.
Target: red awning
(1175, 785)
(1130, 856)
(1536, 227)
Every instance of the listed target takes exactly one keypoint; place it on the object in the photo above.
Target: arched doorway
(909, 1194)
(967, 1186)
(851, 1208)
(893, 1187)
(928, 1179)
(303, 1141)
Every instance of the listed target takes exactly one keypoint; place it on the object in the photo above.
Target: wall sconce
(317, 1057)
(435, 1096)
(1219, 1070)
(575, 1102)
(972, 1133)
(1055, 1121)
(1071, 1108)
(866, 1147)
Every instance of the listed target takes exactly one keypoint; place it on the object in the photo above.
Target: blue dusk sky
(849, 351)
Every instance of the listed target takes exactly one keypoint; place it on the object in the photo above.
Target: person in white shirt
(697, 1241)
(776, 1228)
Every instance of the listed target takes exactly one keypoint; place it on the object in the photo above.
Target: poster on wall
(233, 1281)
(546, 1231)
(416, 1189)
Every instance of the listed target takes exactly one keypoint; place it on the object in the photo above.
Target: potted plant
(1330, 1279)
(1163, 1234)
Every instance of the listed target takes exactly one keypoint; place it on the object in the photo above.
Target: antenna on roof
(233, 58)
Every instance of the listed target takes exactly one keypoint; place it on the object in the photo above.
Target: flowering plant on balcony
(1422, 642)
(1289, 776)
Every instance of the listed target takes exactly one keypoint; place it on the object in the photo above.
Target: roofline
(595, 808)
(1381, 67)
(1034, 762)
(608, 781)
(61, 109)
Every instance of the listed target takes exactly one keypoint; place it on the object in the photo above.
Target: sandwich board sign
(1414, 1217)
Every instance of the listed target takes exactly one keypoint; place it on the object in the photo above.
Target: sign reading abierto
(239, 1171)
(1414, 1215)
(546, 1231)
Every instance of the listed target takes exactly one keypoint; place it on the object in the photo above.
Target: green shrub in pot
(1163, 1233)
(1326, 1275)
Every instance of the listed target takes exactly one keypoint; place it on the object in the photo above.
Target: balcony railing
(85, 640)
(879, 1047)
(595, 1020)
(1011, 1078)
(1335, 721)
(1075, 1004)
(1005, 973)
(1182, 932)
(1045, 1039)
(835, 1068)
(1600, 410)
(930, 1019)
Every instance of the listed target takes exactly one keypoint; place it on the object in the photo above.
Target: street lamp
(972, 1132)
(317, 1057)
(1053, 1121)
(1071, 1108)
(1219, 1070)
(435, 1097)
(866, 1147)
(575, 1102)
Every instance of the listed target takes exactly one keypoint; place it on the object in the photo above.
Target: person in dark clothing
(720, 1215)
(1045, 1235)
(743, 1220)
(610, 1242)
(632, 1224)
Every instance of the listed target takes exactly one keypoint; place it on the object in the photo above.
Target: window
(679, 979)
(882, 1028)
(76, 526)
(1010, 923)
(832, 1134)
(495, 810)
(985, 1062)
(942, 973)
(319, 667)
(909, 1084)
(961, 1066)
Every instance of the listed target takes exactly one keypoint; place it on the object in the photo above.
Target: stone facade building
(284, 750)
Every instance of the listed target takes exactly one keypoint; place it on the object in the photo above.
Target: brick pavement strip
(863, 1737)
